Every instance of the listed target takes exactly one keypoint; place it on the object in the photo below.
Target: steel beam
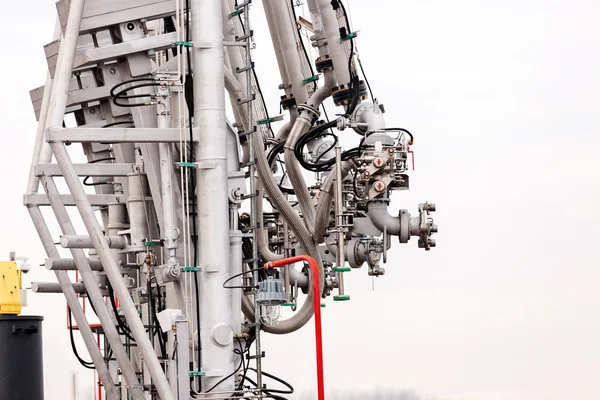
(93, 169)
(99, 54)
(117, 135)
(96, 200)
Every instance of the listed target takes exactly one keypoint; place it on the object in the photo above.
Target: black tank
(21, 358)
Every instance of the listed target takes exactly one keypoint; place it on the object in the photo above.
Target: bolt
(431, 207)
(434, 228)
(391, 150)
(92, 111)
(112, 71)
(379, 186)
(431, 242)
(130, 26)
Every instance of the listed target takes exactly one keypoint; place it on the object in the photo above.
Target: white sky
(503, 99)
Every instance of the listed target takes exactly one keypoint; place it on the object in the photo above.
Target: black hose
(85, 364)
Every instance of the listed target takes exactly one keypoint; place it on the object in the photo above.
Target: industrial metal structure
(203, 220)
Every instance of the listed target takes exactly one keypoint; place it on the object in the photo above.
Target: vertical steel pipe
(216, 334)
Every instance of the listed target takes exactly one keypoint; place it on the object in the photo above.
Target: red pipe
(317, 305)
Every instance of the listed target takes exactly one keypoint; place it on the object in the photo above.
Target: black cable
(236, 351)
(412, 138)
(238, 275)
(315, 134)
(272, 158)
(85, 364)
(161, 338)
(121, 93)
(190, 104)
(290, 387)
(124, 328)
(117, 123)
(85, 180)
(362, 70)
(312, 72)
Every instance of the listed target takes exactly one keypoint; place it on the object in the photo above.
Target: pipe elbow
(381, 218)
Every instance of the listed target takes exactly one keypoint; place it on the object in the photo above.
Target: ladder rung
(244, 69)
(244, 37)
(244, 4)
(249, 357)
(247, 100)
(242, 134)
(249, 229)
(248, 164)
(249, 196)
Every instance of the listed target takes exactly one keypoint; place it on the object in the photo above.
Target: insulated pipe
(277, 46)
(89, 279)
(328, 20)
(287, 212)
(85, 242)
(314, 268)
(74, 305)
(282, 26)
(300, 127)
(216, 333)
(263, 246)
(112, 272)
(302, 124)
(381, 218)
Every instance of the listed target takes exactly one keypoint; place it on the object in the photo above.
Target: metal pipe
(68, 264)
(314, 269)
(302, 124)
(236, 263)
(282, 26)
(112, 271)
(325, 199)
(304, 237)
(166, 173)
(381, 218)
(85, 242)
(89, 279)
(73, 302)
(53, 287)
(62, 74)
(216, 334)
(33, 182)
(328, 20)
(339, 213)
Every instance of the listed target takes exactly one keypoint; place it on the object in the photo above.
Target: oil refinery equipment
(210, 219)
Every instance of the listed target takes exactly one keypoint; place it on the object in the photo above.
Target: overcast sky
(503, 100)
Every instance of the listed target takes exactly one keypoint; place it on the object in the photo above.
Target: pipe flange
(288, 101)
(324, 63)
(404, 235)
(311, 110)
